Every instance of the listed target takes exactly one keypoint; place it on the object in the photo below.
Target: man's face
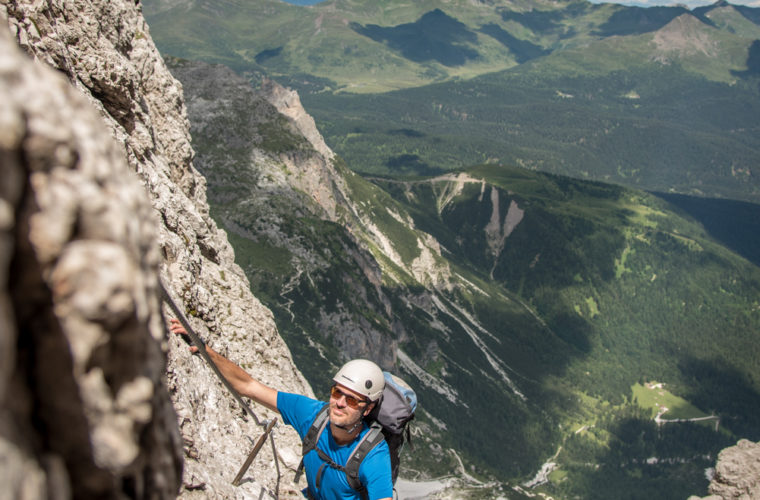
(346, 406)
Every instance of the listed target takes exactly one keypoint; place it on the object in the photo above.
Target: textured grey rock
(85, 411)
(737, 473)
(95, 204)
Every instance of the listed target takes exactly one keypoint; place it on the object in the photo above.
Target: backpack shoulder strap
(311, 438)
(317, 426)
(372, 438)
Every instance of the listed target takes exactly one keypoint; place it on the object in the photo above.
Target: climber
(356, 389)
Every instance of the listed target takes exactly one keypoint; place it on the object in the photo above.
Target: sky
(688, 3)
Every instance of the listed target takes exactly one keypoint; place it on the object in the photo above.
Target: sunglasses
(351, 401)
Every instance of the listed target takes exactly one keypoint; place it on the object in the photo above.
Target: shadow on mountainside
(753, 62)
(735, 224)
(522, 50)
(718, 388)
(647, 460)
(542, 21)
(643, 461)
(637, 20)
(433, 37)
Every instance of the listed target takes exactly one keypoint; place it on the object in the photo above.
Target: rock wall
(737, 473)
(99, 198)
(85, 412)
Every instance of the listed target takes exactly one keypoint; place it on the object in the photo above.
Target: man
(357, 388)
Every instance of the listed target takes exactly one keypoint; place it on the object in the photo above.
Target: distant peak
(685, 35)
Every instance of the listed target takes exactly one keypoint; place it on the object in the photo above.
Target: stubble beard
(347, 417)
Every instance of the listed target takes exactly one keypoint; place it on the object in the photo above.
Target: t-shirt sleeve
(375, 472)
(298, 411)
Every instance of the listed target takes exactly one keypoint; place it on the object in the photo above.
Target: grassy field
(654, 397)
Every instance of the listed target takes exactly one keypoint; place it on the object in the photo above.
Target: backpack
(389, 421)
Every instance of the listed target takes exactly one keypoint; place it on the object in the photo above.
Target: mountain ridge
(659, 98)
(488, 37)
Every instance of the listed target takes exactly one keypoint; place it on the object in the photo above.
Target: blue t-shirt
(374, 471)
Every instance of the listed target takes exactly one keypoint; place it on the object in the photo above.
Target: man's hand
(241, 381)
(176, 327)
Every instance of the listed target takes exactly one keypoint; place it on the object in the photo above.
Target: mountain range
(362, 46)
(537, 314)
(662, 98)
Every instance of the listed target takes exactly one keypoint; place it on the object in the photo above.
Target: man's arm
(240, 380)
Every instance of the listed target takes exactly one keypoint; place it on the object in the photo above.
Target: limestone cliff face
(737, 473)
(317, 176)
(99, 198)
(85, 412)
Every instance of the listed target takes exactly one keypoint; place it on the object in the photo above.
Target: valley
(529, 245)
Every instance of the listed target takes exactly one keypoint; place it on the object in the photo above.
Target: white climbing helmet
(362, 376)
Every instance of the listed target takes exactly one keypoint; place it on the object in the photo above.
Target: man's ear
(369, 409)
